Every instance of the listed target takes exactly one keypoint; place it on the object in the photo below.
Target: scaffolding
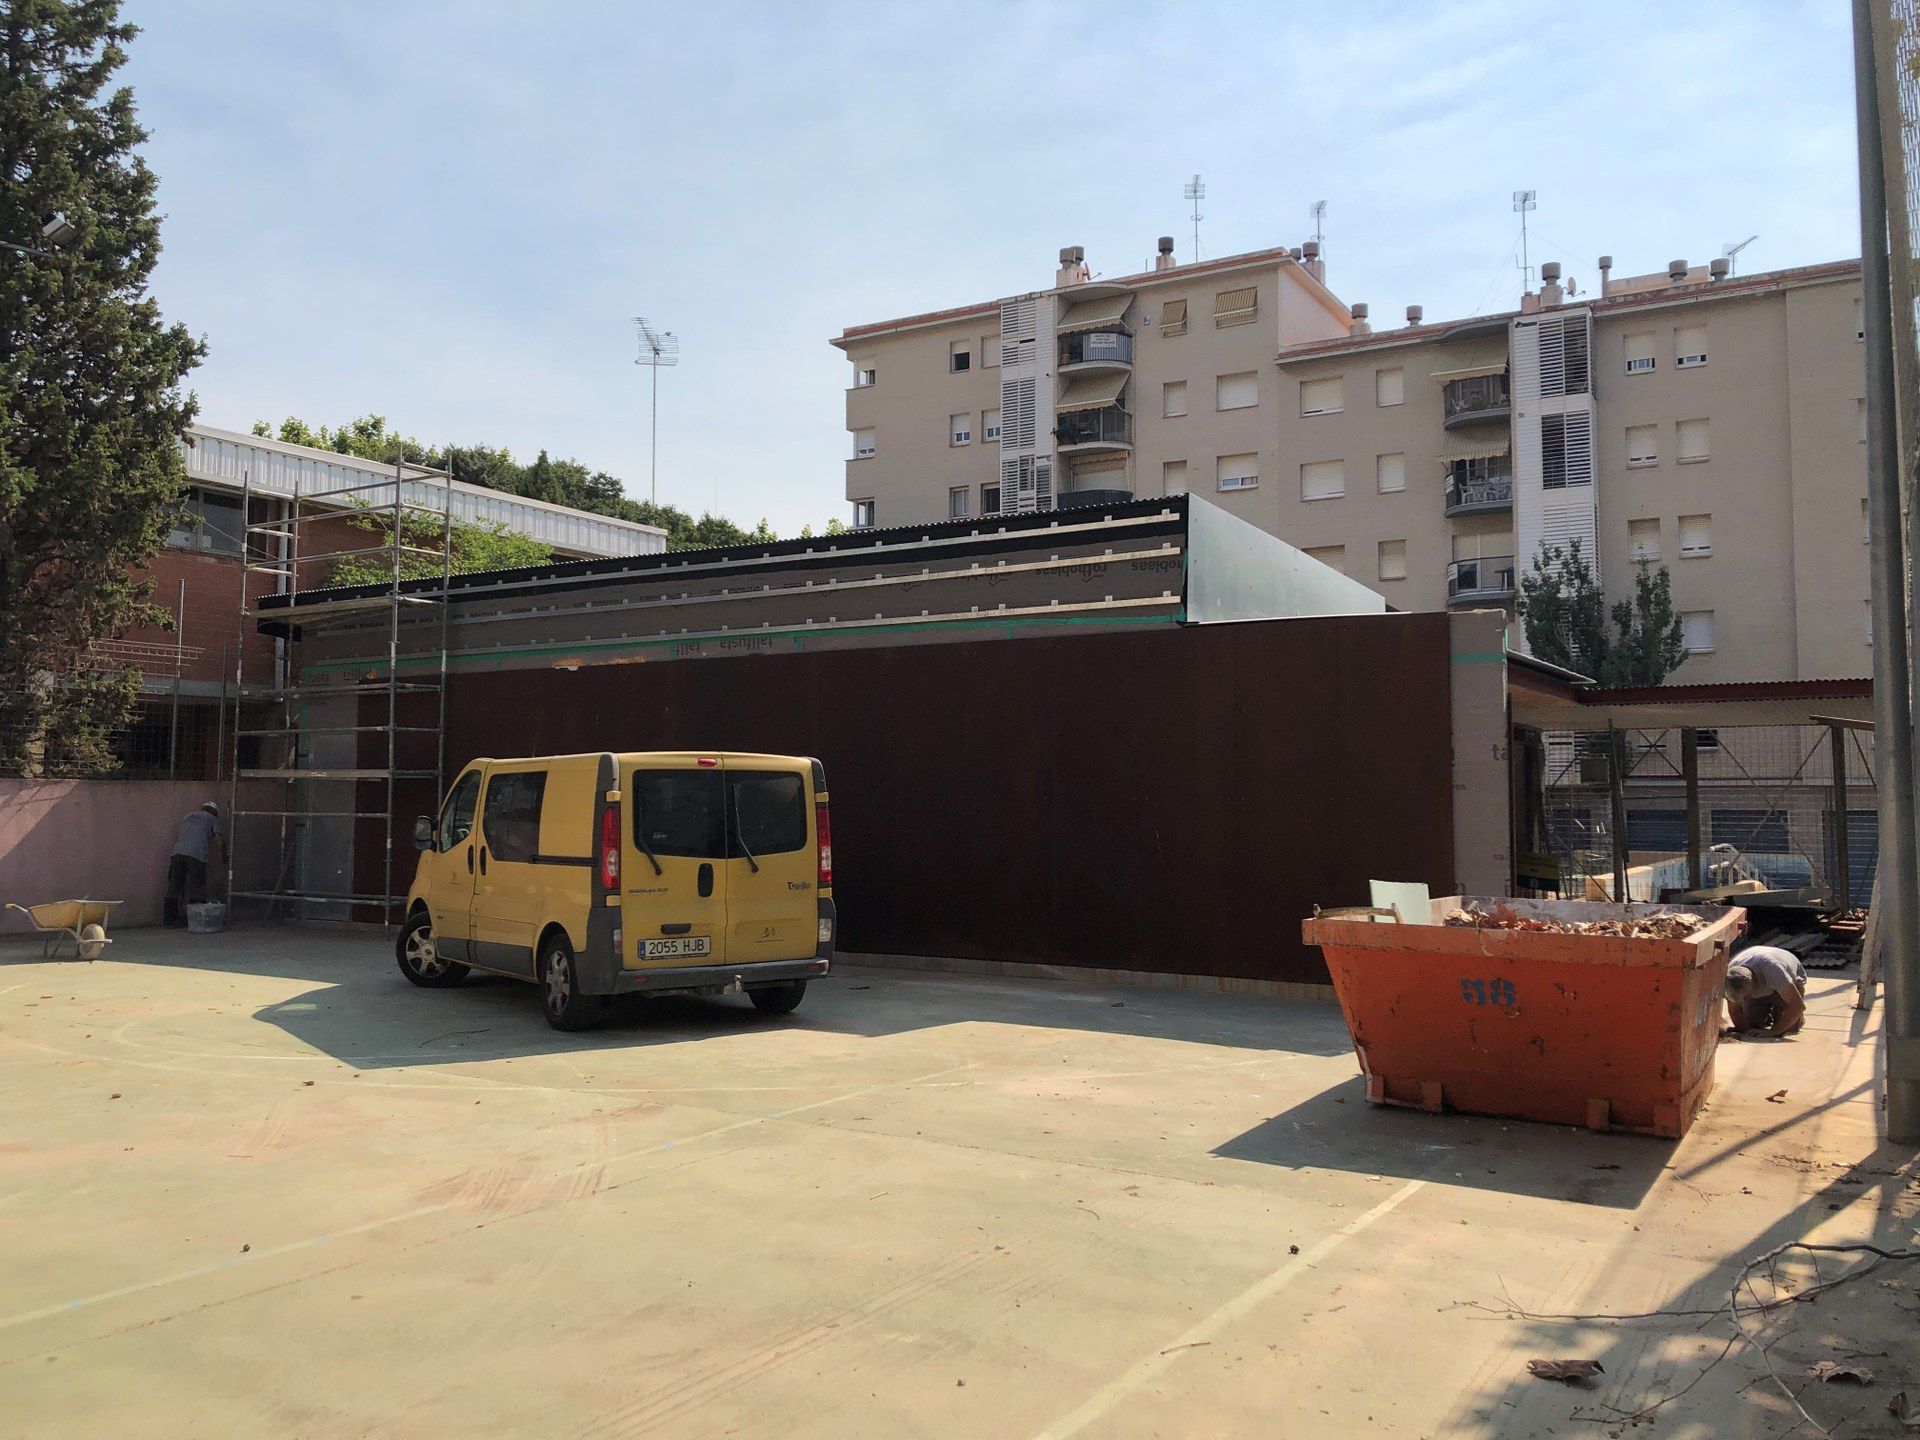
(371, 732)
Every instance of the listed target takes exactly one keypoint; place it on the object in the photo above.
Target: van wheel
(566, 1007)
(777, 999)
(420, 959)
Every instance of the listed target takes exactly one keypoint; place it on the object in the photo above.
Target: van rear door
(673, 872)
(772, 866)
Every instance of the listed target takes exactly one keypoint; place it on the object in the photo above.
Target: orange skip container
(1594, 1030)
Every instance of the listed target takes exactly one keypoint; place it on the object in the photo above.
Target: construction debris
(1567, 1372)
(1831, 1372)
(1665, 926)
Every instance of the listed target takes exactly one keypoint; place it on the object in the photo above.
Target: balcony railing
(1109, 426)
(1482, 494)
(1096, 347)
(1488, 578)
(1478, 397)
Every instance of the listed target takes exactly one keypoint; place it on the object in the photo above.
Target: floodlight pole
(1899, 917)
(653, 476)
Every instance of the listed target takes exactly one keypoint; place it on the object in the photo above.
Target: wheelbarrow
(64, 920)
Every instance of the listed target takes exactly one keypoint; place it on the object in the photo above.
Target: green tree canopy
(1565, 616)
(92, 411)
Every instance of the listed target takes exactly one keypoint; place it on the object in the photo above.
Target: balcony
(1472, 490)
(1095, 350)
(1085, 431)
(1490, 578)
(1475, 398)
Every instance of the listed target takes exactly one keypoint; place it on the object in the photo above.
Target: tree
(475, 547)
(1565, 616)
(92, 414)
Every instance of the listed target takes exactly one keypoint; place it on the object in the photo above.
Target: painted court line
(1204, 1331)
(101, 1297)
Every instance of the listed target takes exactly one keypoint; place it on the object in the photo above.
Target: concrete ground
(256, 1184)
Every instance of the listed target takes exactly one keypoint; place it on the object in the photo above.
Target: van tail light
(610, 848)
(823, 825)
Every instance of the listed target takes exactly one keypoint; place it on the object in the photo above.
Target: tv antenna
(1731, 254)
(1196, 192)
(1524, 201)
(657, 348)
(1319, 212)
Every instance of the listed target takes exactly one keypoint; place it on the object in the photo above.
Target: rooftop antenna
(1196, 192)
(1319, 220)
(1730, 253)
(657, 348)
(1524, 201)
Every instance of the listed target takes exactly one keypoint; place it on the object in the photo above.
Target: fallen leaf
(1830, 1372)
(1898, 1404)
(1779, 1097)
(1567, 1372)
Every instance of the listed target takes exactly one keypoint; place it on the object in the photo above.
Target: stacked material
(1668, 925)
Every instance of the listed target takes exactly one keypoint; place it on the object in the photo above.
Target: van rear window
(769, 811)
(680, 812)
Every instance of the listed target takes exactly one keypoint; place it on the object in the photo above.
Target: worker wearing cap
(1767, 991)
(198, 841)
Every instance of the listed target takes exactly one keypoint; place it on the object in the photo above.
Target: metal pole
(1892, 692)
(239, 686)
(1842, 868)
(393, 693)
(1617, 806)
(1690, 772)
(179, 654)
(653, 482)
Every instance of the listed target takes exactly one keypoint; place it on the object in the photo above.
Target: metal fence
(164, 738)
(1769, 805)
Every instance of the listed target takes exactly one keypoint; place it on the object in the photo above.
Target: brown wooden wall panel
(1169, 800)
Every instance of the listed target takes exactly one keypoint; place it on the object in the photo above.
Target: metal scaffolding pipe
(1899, 922)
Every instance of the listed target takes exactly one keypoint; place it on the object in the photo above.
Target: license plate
(679, 945)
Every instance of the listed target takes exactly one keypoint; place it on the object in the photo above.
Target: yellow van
(642, 874)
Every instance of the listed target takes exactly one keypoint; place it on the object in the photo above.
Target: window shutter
(1696, 630)
(1173, 477)
(1236, 392)
(1393, 559)
(1238, 472)
(1696, 535)
(1235, 307)
(1173, 398)
(1321, 397)
(1323, 479)
(1393, 473)
(1643, 539)
(863, 445)
(1693, 440)
(1173, 318)
(1690, 345)
(1639, 352)
(1389, 386)
(1334, 557)
(1643, 444)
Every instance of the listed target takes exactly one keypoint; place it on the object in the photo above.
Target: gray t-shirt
(1775, 971)
(195, 839)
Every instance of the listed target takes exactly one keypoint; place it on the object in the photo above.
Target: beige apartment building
(1709, 423)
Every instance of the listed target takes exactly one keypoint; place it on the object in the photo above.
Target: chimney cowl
(1311, 250)
(1676, 270)
(1549, 271)
(1415, 314)
(1072, 254)
(1718, 269)
(1606, 262)
(1166, 244)
(1359, 310)
(1295, 253)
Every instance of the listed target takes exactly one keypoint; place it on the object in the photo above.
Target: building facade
(1691, 419)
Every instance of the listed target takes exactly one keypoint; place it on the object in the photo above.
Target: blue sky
(448, 213)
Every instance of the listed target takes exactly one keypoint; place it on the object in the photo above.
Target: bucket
(1573, 1029)
(207, 919)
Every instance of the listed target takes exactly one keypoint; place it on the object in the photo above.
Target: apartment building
(1689, 418)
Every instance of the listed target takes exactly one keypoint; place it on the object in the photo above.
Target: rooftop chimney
(1295, 252)
(1718, 269)
(1415, 313)
(1676, 271)
(1550, 292)
(1164, 260)
(1360, 325)
(1073, 266)
(1606, 270)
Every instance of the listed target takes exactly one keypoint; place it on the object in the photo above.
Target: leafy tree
(475, 547)
(91, 407)
(1565, 616)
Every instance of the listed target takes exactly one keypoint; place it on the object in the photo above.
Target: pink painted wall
(108, 840)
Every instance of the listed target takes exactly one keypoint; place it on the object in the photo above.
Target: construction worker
(194, 847)
(1767, 991)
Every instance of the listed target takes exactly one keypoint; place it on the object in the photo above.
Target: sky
(449, 213)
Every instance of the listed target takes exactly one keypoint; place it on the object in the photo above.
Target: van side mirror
(422, 833)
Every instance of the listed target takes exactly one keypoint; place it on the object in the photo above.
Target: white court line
(1206, 1330)
(66, 1306)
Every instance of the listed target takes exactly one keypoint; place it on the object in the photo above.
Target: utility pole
(1899, 916)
